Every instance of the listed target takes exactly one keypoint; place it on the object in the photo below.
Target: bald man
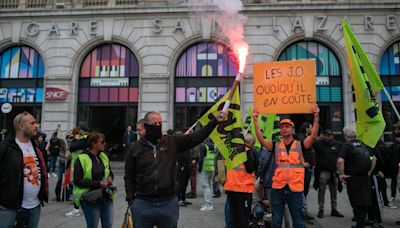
(24, 170)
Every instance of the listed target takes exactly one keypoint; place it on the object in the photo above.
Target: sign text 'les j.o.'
(284, 87)
(55, 94)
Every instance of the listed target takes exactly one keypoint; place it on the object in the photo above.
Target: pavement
(191, 217)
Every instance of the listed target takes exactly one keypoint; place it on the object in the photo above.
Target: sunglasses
(25, 113)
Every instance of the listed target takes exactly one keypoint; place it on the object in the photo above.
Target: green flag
(228, 135)
(269, 126)
(370, 124)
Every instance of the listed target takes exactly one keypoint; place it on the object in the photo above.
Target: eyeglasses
(25, 113)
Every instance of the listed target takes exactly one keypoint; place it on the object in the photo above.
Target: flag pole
(248, 128)
(391, 103)
(231, 93)
(191, 128)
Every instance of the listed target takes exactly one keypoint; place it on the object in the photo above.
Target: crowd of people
(269, 189)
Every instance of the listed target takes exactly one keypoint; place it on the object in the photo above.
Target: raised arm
(308, 142)
(266, 143)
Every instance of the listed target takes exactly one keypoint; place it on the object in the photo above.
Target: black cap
(328, 132)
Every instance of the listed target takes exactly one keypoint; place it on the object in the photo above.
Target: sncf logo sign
(55, 94)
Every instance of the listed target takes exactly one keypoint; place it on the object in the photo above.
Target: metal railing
(89, 3)
(127, 2)
(9, 4)
(36, 3)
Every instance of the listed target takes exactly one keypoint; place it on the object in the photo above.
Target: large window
(328, 79)
(21, 73)
(390, 75)
(328, 72)
(203, 73)
(109, 73)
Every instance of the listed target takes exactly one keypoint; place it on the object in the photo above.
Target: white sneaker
(207, 208)
(73, 213)
(54, 175)
(48, 175)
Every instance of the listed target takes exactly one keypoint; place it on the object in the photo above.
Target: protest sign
(284, 87)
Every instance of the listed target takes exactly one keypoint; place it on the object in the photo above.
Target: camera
(111, 189)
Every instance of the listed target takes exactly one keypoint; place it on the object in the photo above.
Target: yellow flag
(370, 124)
(228, 135)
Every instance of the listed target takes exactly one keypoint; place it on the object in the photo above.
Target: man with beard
(23, 177)
(150, 172)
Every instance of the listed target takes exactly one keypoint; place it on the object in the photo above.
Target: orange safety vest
(289, 169)
(239, 180)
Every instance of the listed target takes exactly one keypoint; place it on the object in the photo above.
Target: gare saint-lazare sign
(156, 25)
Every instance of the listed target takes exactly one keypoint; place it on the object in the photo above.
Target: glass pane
(115, 57)
(113, 94)
(384, 70)
(181, 66)
(191, 61)
(334, 67)
(39, 95)
(133, 95)
(123, 94)
(30, 95)
(85, 69)
(324, 94)
(24, 64)
(84, 94)
(5, 64)
(133, 65)
(105, 60)
(302, 50)
(336, 94)
(103, 95)
(40, 68)
(323, 57)
(180, 94)
(94, 95)
(15, 57)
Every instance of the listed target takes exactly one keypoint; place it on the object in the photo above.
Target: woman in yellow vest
(288, 179)
(93, 183)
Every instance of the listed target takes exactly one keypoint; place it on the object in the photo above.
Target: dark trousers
(193, 176)
(240, 206)
(163, 214)
(61, 171)
(393, 186)
(383, 188)
(360, 214)
(307, 180)
(183, 176)
(373, 210)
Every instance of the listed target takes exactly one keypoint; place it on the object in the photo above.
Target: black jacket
(11, 175)
(150, 174)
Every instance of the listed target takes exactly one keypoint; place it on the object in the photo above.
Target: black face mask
(153, 133)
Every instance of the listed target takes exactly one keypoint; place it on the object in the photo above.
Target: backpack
(362, 159)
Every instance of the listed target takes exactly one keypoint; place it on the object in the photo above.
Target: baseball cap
(286, 121)
(327, 132)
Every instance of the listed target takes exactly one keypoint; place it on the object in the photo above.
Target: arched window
(108, 92)
(21, 74)
(328, 79)
(390, 75)
(21, 82)
(109, 74)
(203, 73)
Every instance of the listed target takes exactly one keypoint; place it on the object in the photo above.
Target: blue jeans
(52, 163)
(164, 214)
(7, 218)
(294, 200)
(93, 212)
(61, 171)
(34, 216)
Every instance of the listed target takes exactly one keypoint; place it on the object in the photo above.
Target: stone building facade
(106, 63)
